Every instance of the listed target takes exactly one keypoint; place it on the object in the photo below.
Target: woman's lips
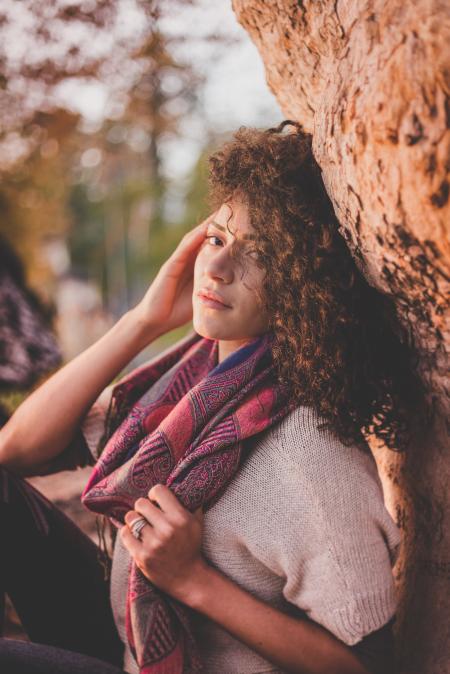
(208, 300)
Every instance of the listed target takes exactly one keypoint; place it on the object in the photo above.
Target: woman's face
(227, 279)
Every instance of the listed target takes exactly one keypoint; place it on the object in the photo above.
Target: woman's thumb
(199, 512)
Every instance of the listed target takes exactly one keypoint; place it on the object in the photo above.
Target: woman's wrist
(196, 592)
(291, 643)
(142, 331)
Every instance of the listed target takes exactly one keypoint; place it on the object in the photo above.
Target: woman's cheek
(259, 318)
(199, 266)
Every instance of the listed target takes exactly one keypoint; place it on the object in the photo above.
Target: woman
(252, 530)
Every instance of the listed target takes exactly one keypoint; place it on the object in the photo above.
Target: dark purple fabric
(50, 570)
(22, 657)
(28, 346)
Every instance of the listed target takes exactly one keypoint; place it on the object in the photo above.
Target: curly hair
(338, 344)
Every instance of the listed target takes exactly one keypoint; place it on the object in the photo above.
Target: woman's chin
(210, 331)
(209, 334)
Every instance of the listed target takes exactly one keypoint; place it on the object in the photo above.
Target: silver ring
(137, 527)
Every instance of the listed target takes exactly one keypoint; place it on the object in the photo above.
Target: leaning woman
(250, 529)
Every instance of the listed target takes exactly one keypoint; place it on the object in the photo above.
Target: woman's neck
(228, 346)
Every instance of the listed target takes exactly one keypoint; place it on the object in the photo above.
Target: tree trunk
(371, 82)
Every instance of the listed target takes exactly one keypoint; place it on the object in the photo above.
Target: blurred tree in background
(87, 200)
(102, 193)
(121, 234)
(34, 190)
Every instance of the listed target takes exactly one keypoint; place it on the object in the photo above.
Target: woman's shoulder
(342, 481)
(314, 450)
(323, 525)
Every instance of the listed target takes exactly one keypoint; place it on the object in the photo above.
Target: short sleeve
(93, 423)
(332, 540)
(345, 580)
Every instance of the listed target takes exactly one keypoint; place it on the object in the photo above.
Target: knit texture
(182, 420)
(302, 526)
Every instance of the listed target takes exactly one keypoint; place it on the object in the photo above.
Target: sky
(235, 92)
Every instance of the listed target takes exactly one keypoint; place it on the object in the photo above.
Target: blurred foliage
(95, 203)
(12, 400)
(33, 196)
(102, 194)
(48, 43)
(120, 234)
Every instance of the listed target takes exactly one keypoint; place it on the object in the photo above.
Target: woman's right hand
(167, 304)
(63, 399)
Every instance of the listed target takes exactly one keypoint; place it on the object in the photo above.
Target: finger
(146, 530)
(156, 517)
(131, 517)
(181, 262)
(192, 240)
(131, 543)
(165, 497)
(203, 224)
(195, 234)
(188, 248)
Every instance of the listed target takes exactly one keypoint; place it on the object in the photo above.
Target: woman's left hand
(169, 552)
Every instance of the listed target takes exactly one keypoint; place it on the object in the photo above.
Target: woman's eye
(216, 238)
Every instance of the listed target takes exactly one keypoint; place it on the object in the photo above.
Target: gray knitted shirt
(302, 526)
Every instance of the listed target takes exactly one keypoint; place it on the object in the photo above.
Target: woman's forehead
(234, 216)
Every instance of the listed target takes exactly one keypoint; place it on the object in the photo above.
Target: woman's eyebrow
(249, 237)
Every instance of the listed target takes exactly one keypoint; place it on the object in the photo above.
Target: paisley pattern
(186, 433)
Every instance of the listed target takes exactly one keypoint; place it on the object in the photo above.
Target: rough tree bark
(371, 82)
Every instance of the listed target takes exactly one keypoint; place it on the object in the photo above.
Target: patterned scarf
(179, 420)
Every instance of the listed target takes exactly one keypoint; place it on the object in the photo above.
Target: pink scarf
(179, 420)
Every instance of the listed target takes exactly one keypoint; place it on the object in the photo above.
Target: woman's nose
(220, 266)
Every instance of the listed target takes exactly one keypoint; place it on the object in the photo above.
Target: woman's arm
(169, 554)
(43, 425)
(46, 421)
(295, 645)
